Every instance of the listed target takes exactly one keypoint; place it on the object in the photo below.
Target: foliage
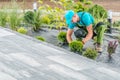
(112, 45)
(90, 53)
(46, 19)
(66, 4)
(33, 18)
(37, 21)
(3, 18)
(82, 5)
(76, 46)
(56, 20)
(29, 17)
(55, 15)
(98, 12)
(40, 38)
(62, 37)
(14, 19)
(116, 24)
(22, 30)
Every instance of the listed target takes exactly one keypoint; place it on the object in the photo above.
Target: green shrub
(34, 18)
(29, 17)
(37, 20)
(14, 16)
(22, 30)
(76, 46)
(98, 12)
(62, 37)
(40, 38)
(90, 53)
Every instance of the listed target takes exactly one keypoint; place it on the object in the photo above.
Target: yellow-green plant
(46, 20)
(57, 21)
(76, 46)
(82, 5)
(22, 30)
(90, 53)
(40, 38)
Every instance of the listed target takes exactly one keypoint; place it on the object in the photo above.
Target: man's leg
(100, 35)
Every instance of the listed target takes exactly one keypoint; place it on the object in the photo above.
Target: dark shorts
(82, 32)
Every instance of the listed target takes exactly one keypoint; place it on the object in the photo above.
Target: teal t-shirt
(85, 20)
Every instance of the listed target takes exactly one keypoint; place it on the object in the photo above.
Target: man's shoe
(98, 48)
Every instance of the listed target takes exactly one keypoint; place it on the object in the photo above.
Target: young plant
(33, 18)
(22, 30)
(29, 17)
(37, 21)
(3, 18)
(76, 46)
(40, 38)
(14, 17)
(112, 45)
(14, 20)
(90, 53)
(62, 37)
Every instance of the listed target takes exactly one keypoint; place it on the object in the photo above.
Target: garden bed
(50, 36)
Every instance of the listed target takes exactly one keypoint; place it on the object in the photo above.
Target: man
(85, 20)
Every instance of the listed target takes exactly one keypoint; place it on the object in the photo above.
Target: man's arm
(89, 35)
(69, 34)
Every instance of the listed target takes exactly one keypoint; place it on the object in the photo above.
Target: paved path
(25, 58)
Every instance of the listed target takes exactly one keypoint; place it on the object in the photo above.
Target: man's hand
(89, 35)
(69, 34)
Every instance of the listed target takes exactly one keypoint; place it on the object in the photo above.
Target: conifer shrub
(90, 53)
(76, 46)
